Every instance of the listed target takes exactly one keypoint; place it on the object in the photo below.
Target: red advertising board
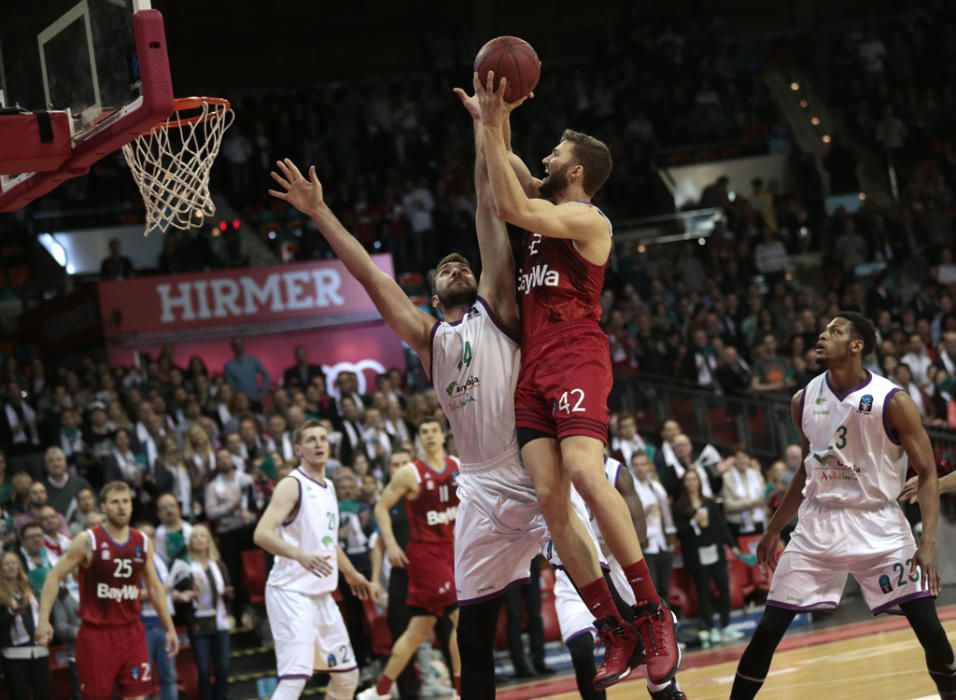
(275, 308)
(218, 302)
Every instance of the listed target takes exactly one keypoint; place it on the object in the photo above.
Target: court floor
(877, 658)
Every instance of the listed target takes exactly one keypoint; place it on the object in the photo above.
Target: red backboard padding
(22, 149)
(157, 104)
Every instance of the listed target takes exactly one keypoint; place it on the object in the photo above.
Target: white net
(171, 163)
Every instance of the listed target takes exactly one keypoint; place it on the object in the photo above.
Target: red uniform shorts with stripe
(431, 577)
(113, 660)
(564, 382)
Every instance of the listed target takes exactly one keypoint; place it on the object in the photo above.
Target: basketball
(512, 58)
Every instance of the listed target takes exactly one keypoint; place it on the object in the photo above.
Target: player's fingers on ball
(491, 81)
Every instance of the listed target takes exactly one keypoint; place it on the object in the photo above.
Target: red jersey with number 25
(557, 284)
(109, 586)
(431, 516)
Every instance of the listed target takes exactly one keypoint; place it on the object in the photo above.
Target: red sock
(458, 684)
(639, 577)
(384, 685)
(597, 596)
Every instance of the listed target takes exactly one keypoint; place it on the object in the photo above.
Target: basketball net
(171, 163)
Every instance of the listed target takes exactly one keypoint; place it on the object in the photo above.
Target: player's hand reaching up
(43, 634)
(318, 564)
(491, 102)
(396, 556)
(470, 103)
(925, 559)
(304, 194)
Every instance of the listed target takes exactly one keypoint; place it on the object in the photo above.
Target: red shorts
(564, 382)
(431, 577)
(113, 660)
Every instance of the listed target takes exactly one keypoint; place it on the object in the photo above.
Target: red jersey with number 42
(557, 284)
(431, 516)
(109, 586)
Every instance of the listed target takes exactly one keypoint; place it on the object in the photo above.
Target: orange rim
(184, 104)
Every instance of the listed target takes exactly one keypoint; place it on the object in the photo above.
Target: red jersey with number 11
(109, 586)
(431, 516)
(557, 284)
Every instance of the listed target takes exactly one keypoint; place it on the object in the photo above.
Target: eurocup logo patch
(885, 584)
(866, 404)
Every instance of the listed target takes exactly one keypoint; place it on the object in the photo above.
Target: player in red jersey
(429, 488)
(113, 559)
(561, 398)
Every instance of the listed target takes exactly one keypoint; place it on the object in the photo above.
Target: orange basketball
(512, 58)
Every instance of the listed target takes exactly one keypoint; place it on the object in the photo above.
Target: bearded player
(113, 559)
(472, 357)
(561, 399)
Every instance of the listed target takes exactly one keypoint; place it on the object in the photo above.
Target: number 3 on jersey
(840, 437)
(565, 402)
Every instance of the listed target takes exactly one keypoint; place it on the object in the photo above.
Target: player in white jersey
(473, 360)
(575, 619)
(858, 431)
(300, 527)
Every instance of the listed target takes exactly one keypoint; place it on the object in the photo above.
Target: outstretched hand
(470, 103)
(493, 109)
(305, 195)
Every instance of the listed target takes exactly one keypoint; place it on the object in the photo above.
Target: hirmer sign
(224, 297)
(272, 298)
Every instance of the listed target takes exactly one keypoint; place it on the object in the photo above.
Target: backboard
(103, 62)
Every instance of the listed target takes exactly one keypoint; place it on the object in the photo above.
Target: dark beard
(458, 297)
(554, 184)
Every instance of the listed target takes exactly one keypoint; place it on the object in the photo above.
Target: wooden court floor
(878, 659)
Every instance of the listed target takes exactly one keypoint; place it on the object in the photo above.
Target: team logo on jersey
(106, 554)
(538, 276)
(327, 541)
(885, 584)
(134, 672)
(331, 660)
(866, 404)
(430, 485)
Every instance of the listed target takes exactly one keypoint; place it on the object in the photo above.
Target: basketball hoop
(171, 162)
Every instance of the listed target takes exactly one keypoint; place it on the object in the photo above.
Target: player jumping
(561, 399)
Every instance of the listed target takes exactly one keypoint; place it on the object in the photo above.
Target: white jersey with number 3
(475, 365)
(314, 527)
(855, 456)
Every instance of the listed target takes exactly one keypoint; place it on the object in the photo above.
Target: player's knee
(342, 686)
(554, 503)
(773, 625)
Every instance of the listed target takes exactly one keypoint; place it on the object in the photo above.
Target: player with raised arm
(472, 357)
(114, 560)
(300, 528)
(429, 487)
(561, 398)
(857, 432)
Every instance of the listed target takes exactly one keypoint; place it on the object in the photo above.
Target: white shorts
(499, 529)
(875, 546)
(309, 634)
(574, 618)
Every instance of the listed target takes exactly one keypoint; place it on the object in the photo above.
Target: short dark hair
(426, 421)
(862, 329)
(447, 260)
(28, 526)
(594, 156)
